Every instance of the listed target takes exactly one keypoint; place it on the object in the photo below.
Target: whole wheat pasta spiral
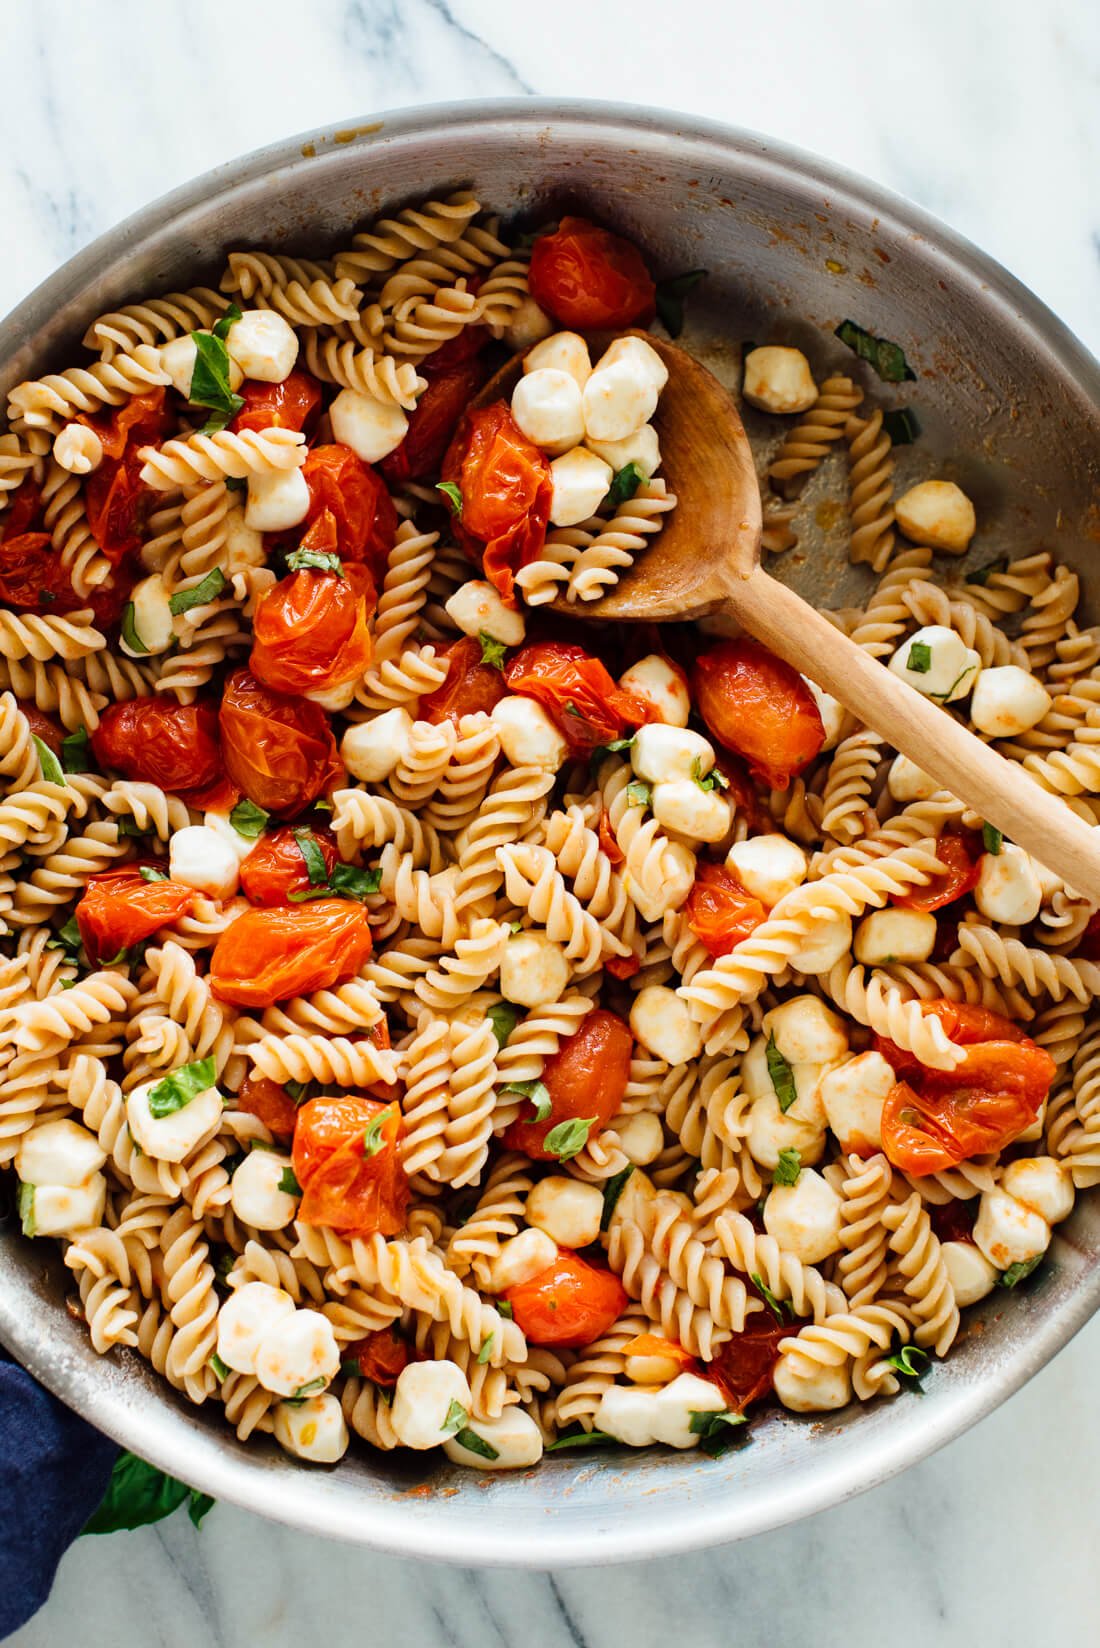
(304, 293)
(26, 636)
(403, 590)
(46, 403)
(185, 463)
(156, 321)
(399, 680)
(686, 1290)
(617, 541)
(871, 490)
(920, 1263)
(375, 375)
(814, 435)
(415, 229)
(866, 1191)
(851, 776)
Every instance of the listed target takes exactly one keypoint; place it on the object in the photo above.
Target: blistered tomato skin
(351, 1182)
(433, 423)
(586, 1079)
(505, 485)
(158, 742)
(760, 708)
(588, 707)
(744, 1365)
(311, 631)
(270, 1102)
(276, 866)
(569, 1303)
(290, 404)
(719, 911)
(279, 750)
(468, 686)
(269, 955)
(359, 502)
(587, 277)
(120, 908)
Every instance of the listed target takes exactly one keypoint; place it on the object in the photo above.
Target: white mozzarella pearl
(661, 753)
(664, 1025)
(62, 1210)
(264, 345)
(641, 1138)
(244, 545)
(969, 1271)
(937, 513)
(757, 1082)
(170, 1138)
(1008, 888)
(853, 1094)
(370, 750)
(618, 400)
(563, 352)
(804, 1218)
(568, 1210)
(527, 323)
(514, 1438)
(476, 607)
(952, 666)
(639, 354)
(1007, 1232)
(817, 1391)
(895, 935)
(78, 449)
(59, 1153)
(660, 685)
(313, 1430)
(520, 1259)
(641, 1369)
(152, 616)
(533, 970)
(239, 845)
(629, 1414)
(768, 866)
(686, 809)
(243, 1320)
(824, 945)
(642, 449)
(255, 1194)
(806, 1031)
(277, 501)
(1042, 1184)
(177, 358)
(528, 737)
(1007, 701)
(778, 379)
(908, 782)
(580, 481)
(546, 405)
(202, 858)
(373, 429)
(422, 1399)
(770, 1132)
(676, 1404)
(296, 1351)
(834, 717)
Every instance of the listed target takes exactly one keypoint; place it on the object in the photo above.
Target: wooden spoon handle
(997, 789)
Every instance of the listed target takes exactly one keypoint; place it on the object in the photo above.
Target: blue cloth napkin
(54, 1470)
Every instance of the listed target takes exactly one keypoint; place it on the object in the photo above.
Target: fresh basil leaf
(582, 1439)
(221, 327)
(920, 658)
(486, 1351)
(218, 1367)
(514, 927)
(198, 1506)
(908, 1360)
(25, 1208)
(503, 1017)
(504, 1309)
(624, 486)
(350, 1368)
(902, 425)
(178, 1089)
(312, 1387)
(670, 299)
(136, 1495)
(788, 1168)
(453, 496)
(473, 1443)
(295, 1090)
(47, 760)
(210, 378)
(75, 752)
(713, 780)
(1017, 1272)
(638, 794)
(148, 873)
(992, 839)
(982, 574)
(885, 358)
(131, 827)
(569, 1138)
(715, 1427)
(236, 483)
(129, 630)
(310, 849)
(68, 937)
(314, 560)
(199, 595)
(612, 1190)
(348, 881)
(455, 1420)
(372, 1137)
(782, 1076)
(615, 746)
(776, 1306)
(248, 819)
(539, 1095)
(288, 1182)
(492, 650)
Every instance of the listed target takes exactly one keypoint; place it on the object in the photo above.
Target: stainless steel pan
(1007, 398)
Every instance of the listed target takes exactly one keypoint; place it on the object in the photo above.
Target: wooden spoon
(706, 560)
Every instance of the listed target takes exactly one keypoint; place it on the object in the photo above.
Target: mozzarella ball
(277, 500)
(629, 1414)
(177, 358)
(634, 1198)
(671, 884)
(660, 685)
(370, 750)
(661, 753)
(534, 970)
(244, 545)
(834, 717)
(422, 1399)
(563, 352)
(514, 1438)
(664, 1025)
(642, 449)
(642, 1369)
(806, 1031)
(640, 354)
(526, 324)
(373, 429)
(528, 737)
(1034, 1130)
(239, 845)
(618, 399)
(688, 1394)
(59, 1153)
(521, 1258)
(546, 405)
(314, 1429)
(477, 609)
(1007, 1232)
(770, 1132)
(1008, 700)
(767, 866)
(686, 809)
(641, 1138)
(296, 1351)
(153, 621)
(1008, 887)
(62, 1210)
(568, 1210)
(937, 662)
(804, 1218)
(170, 1138)
(824, 945)
(580, 481)
(853, 1094)
(778, 380)
(246, 1316)
(264, 345)
(757, 1083)
(939, 514)
(255, 1191)
(202, 858)
(78, 449)
(895, 935)
(908, 782)
(816, 1391)
(1041, 1184)
(969, 1271)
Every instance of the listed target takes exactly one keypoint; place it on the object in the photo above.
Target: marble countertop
(986, 113)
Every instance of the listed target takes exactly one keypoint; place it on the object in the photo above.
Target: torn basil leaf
(473, 1443)
(486, 1351)
(492, 650)
(248, 819)
(625, 485)
(218, 1368)
(75, 751)
(911, 1362)
(539, 1095)
(612, 1190)
(885, 358)
(788, 1168)
(503, 1017)
(569, 1138)
(221, 327)
(178, 1089)
(199, 595)
(314, 560)
(992, 839)
(288, 1182)
(776, 1306)
(1017, 1272)
(139, 1494)
(310, 849)
(670, 299)
(638, 794)
(47, 760)
(24, 1204)
(920, 658)
(902, 425)
(455, 1420)
(453, 496)
(372, 1137)
(782, 1076)
(981, 575)
(148, 873)
(129, 630)
(582, 1439)
(210, 381)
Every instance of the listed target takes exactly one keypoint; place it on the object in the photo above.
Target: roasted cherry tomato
(505, 484)
(435, 419)
(953, 1221)
(468, 686)
(287, 405)
(278, 750)
(356, 495)
(120, 907)
(267, 956)
(719, 911)
(276, 866)
(577, 691)
(586, 1078)
(933, 1119)
(311, 631)
(117, 501)
(24, 511)
(608, 843)
(381, 1356)
(42, 726)
(744, 1366)
(159, 742)
(759, 707)
(960, 853)
(568, 1303)
(347, 1160)
(586, 277)
(31, 574)
(269, 1101)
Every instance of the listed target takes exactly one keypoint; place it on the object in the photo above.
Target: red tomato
(366, 520)
(961, 855)
(287, 405)
(586, 1078)
(760, 707)
(953, 1221)
(719, 911)
(116, 500)
(381, 1356)
(344, 1187)
(159, 742)
(41, 725)
(1089, 946)
(623, 967)
(568, 1303)
(279, 751)
(260, 1096)
(267, 956)
(608, 844)
(119, 908)
(505, 484)
(276, 867)
(435, 419)
(577, 691)
(31, 574)
(586, 277)
(311, 631)
(24, 510)
(468, 685)
(745, 1364)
